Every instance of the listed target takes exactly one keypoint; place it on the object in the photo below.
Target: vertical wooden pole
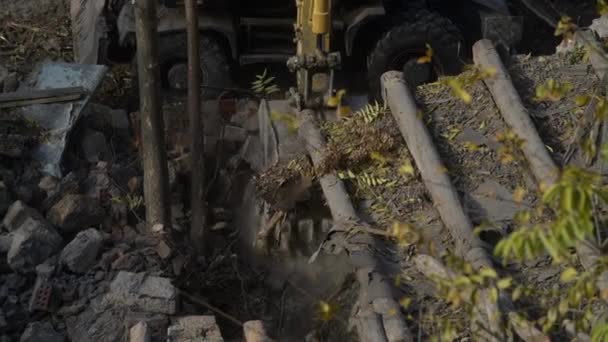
(197, 202)
(156, 189)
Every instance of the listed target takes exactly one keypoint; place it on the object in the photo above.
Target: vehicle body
(241, 32)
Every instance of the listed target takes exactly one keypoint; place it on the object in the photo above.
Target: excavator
(376, 35)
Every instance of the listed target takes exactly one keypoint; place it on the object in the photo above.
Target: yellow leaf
(459, 91)
(519, 194)
(488, 273)
(406, 168)
(504, 283)
(568, 275)
(602, 7)
(582, 100)
(327, 311)
(428, 57)
(405, 302)
(493, 295)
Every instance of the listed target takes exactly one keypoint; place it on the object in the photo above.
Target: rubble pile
(76, 261)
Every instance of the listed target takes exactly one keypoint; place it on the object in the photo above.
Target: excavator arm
(314, 62)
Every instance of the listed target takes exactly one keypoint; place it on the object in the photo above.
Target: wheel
(173, 62)
(402, 45)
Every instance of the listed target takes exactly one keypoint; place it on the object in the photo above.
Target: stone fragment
(41, 332)
(139, 291)
(47, 268)
(17, 213)
(163, 250)
(255, 331)
(76, 212)
(70, 184)
(32, 244)
(81, 253)
(95, 146)
(48, 184)
(600, 26)
(95, 325)
(157, 323)
(194, 328)
(140, 333)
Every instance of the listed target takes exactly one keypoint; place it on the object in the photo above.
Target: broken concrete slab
(41, 332)
(95, 146)
(32, 244)
(194, 328)
(64, 115)
(139, 291)
(17, 213)
(94, 325)
(76, 212)
(81, 253)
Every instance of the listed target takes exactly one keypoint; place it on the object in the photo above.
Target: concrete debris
(41, 332)
(600, 26)
(47, 268)
(18, 213)
(70, 184)
(96, 325)
(194, 328)
(139, 291)
(163, 250)
(48, 184)
(81, 253)
(140, 333)
(95, 146)
(157, 323)
(255, 331)
(252, 153)
(235, 133)
(59, 117)
(107, 120)
(76, 212)
(33, 243)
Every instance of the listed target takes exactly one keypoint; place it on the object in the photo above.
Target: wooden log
(374, 284)
(156, 187)
(433, 172)
(597, 54)
(197, 142)
(433, 269)
(515, 113)
(445, 198)
(140, 333)
(40, 96)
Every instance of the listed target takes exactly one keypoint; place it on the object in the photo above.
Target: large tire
(408, 40)
(173, 49)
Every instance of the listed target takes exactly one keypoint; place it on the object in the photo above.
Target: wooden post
(377, 315)
(514, 112)
(197, 201)
(156, 190)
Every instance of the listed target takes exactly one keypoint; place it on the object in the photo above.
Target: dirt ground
(466, 139)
